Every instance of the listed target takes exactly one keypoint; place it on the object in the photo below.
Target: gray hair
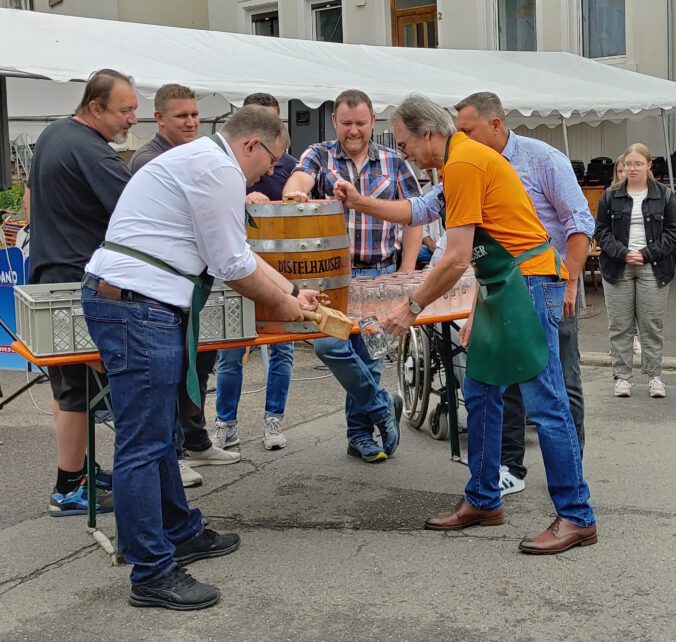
(254, 120)
(486, 103)
(420, 115)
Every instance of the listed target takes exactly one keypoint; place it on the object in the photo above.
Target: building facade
(633, 34)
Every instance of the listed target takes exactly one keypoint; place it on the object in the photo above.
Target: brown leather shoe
(464, 515)
(559, 537)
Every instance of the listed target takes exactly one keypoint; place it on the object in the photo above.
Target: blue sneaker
(369, 451)
(75, 502)
(389, 429)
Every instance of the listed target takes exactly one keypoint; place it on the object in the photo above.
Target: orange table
(91, 358)
(262, 339)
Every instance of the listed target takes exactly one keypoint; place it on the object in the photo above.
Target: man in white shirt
(185, 211)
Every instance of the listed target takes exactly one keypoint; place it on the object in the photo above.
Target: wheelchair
(426, 356)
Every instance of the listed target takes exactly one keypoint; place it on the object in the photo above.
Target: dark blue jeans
(546, 403)
(367, 402)
(229, 381)
(514, 417)
(142, 349)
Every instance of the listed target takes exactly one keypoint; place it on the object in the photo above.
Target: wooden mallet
(331, 322)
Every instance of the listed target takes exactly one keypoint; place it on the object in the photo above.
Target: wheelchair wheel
(413, 366)
(439, 423)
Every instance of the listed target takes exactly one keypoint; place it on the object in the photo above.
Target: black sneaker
(177, 590)
(207, 544)
(104, 478)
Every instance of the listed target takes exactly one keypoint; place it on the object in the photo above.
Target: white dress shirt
(186, 207)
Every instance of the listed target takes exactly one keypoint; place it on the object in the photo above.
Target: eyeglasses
(636, 165)
(275, 159)
(402, 146)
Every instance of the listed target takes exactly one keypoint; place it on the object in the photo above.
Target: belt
(109, 291)
(363, 265)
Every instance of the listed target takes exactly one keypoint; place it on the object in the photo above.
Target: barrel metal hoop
(328, 283)
(277, 210)
(288, 246)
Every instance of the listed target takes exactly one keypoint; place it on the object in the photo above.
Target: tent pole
(666, 147)
(565, 137)
(564, 129)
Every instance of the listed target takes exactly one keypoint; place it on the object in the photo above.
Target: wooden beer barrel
(308, 244)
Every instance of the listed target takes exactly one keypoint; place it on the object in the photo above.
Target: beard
(120, 136)
(355, 144)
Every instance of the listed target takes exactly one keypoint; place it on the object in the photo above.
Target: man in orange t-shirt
(491, 222)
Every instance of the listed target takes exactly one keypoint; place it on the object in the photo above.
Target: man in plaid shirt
(379, 172)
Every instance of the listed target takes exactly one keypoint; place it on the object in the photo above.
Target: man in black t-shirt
(75, 181)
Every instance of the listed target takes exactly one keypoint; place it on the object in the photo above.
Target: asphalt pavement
(333, 549)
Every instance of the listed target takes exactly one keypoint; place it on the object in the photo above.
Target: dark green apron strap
(248, 218)
(149, 259)
(219, 141)
(200, 294)
(540, 249)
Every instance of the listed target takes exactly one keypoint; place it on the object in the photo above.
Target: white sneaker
(622, 388)
(509, 483)
(657, 388)
(224, 434)
(211, 457)
(637, 345)
(189, 477)
(273, 437)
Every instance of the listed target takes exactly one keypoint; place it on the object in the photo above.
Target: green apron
(200, 294)
(507, 344)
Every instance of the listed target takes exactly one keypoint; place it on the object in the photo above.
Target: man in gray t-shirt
(178, 120)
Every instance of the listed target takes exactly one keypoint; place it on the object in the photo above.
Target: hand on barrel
(298, 197)
(309, 299)
(256, 198)
(346, 192)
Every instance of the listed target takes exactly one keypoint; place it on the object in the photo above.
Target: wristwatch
(413, 306)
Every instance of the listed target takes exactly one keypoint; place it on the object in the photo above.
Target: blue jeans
(142, 349)
(546, 403)
(424, 255)
(514, 416)
(367, 402)
(229, 381)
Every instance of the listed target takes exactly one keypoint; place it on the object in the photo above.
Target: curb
(603, 359)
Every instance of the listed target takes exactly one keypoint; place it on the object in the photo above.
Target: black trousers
(514, 416)
(193, 434)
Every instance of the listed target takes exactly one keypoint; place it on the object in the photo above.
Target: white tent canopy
(540, 86)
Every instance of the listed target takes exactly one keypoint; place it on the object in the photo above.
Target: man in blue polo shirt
(563, 209)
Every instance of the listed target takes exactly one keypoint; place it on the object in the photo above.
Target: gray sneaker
(177, 590)
(224, 434)
(273, 437)
(189, 477)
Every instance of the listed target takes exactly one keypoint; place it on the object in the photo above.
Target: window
(414, 23)
(265, 24)
(516, 25)
(20, 4)
(327, 22)
(603, 28)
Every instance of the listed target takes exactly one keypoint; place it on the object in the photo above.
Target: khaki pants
(636, 299)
